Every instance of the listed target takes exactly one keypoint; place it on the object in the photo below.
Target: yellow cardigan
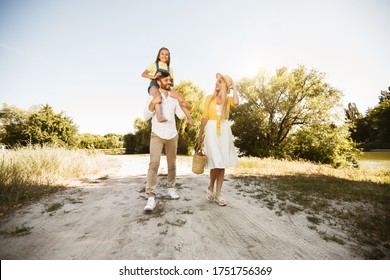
(210, 110)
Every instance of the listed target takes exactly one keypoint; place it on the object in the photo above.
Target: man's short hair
(164, 73)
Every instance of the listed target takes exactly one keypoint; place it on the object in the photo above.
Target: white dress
(219, 149)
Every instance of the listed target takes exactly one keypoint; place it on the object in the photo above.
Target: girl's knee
(154, 92)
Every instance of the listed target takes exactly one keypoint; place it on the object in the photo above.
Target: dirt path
(103, 219)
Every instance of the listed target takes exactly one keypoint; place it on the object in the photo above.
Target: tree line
(40, 125)
(372, 130)
(291, 114)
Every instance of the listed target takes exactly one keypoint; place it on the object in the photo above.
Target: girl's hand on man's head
(158, 74)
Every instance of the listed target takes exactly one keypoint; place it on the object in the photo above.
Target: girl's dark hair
(169, 55)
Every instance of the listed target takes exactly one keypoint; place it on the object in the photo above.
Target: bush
(324, 144)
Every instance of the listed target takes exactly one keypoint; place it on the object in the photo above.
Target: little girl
(162, 62)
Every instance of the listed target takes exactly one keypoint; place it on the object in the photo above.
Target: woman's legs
(216, 175)
(210, 189)
(213, 178)
(220, 177)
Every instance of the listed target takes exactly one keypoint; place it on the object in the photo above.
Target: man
(164, 134)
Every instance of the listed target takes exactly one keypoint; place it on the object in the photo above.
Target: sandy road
(103, 219)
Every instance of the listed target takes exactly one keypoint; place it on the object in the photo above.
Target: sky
(85, 57)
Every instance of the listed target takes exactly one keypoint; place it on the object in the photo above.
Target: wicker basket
(199, 161)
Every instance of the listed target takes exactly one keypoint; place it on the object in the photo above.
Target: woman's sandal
(210, 195)
(221, 201)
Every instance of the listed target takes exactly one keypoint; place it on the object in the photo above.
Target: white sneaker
(150, 204)
(172, 192)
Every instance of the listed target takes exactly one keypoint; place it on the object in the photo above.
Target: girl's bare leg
(190, 121)
(184, 105)
(155, 92)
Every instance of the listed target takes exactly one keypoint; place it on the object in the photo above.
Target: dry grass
(369, 172)
(353, 201)
(27, 174)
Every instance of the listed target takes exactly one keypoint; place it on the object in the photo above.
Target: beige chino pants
(156, 147)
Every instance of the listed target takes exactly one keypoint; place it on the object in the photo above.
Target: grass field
(353, 201)
(27, 174)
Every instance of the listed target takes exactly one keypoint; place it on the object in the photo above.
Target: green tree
(129, 143)
(249, 130)
(362, 131)
(94, 141)
(329, 144)
(352, 113)
(357, 124)
(13, 125)
(44, 126)
(138, 142)
(278, 105)
(113, 141)
(373, 130)
(385, 95)
(87, 141)
(188, 134)
(379, 122)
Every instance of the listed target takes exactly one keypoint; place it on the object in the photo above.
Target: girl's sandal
(210, 195)
(221, 201)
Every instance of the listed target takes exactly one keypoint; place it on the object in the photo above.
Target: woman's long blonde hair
(224, 91)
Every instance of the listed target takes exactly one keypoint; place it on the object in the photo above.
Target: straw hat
(228, 81)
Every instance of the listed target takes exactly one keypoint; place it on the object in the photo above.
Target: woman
(217, 135)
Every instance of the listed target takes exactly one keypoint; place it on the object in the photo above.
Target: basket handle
(198, 148)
